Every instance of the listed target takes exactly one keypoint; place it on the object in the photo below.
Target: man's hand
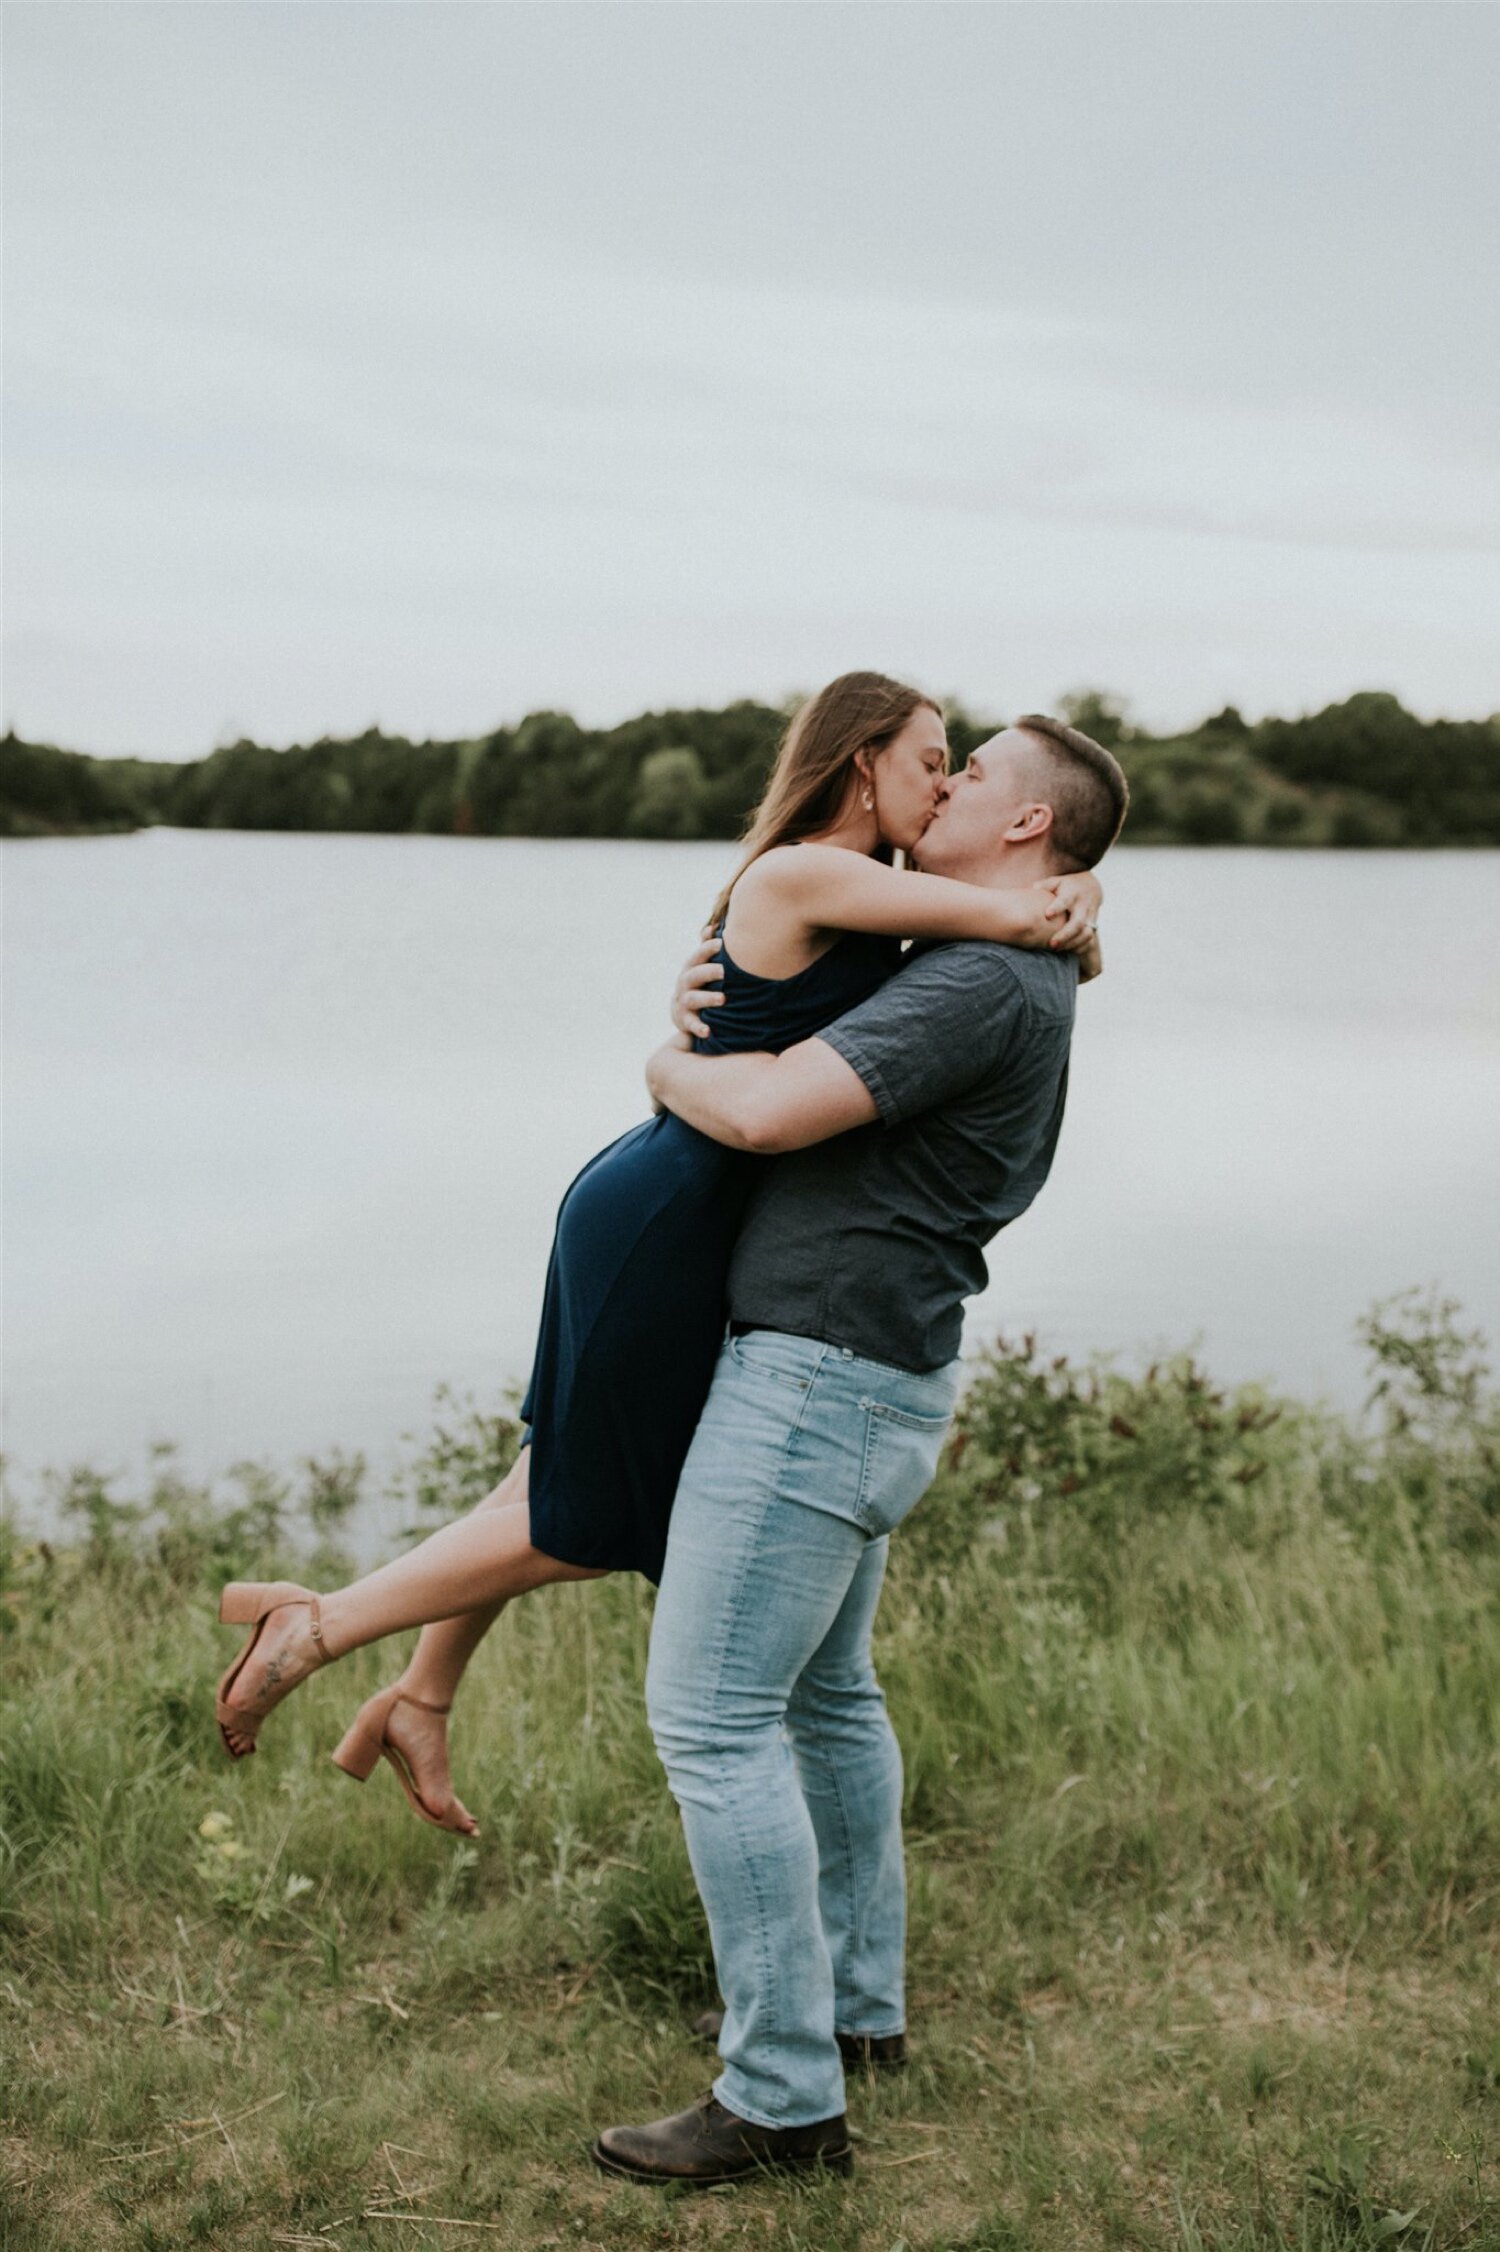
(694, 992)
(684, 1045)
(1076, 901)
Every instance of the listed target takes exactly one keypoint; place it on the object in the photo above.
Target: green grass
(1200, 1698)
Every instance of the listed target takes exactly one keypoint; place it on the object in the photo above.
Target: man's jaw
(919, 849)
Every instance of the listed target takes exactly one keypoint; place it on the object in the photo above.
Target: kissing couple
(748, 1362)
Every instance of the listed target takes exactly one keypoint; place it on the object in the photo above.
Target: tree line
(1362, 772)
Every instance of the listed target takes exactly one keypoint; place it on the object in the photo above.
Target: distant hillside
(1365, 772)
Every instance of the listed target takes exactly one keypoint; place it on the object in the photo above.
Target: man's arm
(927, 1035)
(760, 1102)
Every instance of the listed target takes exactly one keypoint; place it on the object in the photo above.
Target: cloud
(411, 401)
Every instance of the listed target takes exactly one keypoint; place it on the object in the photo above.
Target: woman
(811, 923)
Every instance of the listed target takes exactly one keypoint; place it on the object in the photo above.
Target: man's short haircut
(1085, 786)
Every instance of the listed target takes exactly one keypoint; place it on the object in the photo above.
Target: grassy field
(1200, 1699)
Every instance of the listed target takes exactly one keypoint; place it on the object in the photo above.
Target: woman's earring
(868, 801)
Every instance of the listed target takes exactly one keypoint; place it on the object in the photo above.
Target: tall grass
(1200, 1701)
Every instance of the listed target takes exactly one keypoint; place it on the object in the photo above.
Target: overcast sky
(426, 364)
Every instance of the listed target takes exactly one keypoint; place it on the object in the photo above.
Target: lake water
(287, 1119)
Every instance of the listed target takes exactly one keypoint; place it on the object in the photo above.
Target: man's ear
(1030, 822)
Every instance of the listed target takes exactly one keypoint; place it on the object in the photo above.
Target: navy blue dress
(634, 1311)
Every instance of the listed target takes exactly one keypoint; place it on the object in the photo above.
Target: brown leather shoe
(707, 2144)
(885, 2051)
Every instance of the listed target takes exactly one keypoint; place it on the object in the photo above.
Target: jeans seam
(866, 1469)
(794, 1428)
(825, 1760)
(767, 1979)
(907, 1417)
(853, 1892)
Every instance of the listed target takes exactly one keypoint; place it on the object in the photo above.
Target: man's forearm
(762, 1102)
(723, 1096)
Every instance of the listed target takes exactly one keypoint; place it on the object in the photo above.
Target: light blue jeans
(765, 1707)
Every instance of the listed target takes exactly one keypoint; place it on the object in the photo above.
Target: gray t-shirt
(874, 1239)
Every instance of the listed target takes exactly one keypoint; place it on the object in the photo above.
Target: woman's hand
(1076, 901)
(693, 992)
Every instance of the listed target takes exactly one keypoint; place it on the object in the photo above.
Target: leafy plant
(240, 1881)
(466, 1455)
(1341, 2183)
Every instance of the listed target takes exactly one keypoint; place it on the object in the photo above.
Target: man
(828, 1410)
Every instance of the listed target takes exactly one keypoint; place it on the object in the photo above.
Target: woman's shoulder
(775, 871)
(792, 873)
(767, 898)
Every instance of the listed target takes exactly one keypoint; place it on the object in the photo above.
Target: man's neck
(1012, 869)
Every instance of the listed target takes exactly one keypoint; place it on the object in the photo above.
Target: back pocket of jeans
(901, 1459)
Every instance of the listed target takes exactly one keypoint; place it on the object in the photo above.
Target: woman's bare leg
(444, 1648)
(474, 1565)
(433, 1673)
(440, 1659)
(420, 1734)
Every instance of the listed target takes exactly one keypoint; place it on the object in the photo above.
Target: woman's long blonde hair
(860, 711)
